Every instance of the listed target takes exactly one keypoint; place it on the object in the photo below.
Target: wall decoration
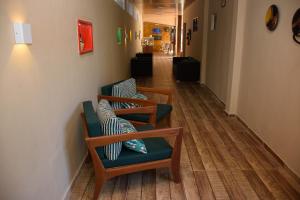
(213, 22)
(85, 36)
(189, 37)
(135, 35)
(125, 34)
(272, 17)
(195, 24)
(130, 35)
(119, 36)
(223, 3)
(296, 26)
(157, 33)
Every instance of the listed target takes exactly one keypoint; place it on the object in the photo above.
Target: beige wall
(219, 48)
(269, 100)
(42, 85)
(192, 11)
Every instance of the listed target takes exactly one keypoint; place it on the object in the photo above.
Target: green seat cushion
(157, 148)
(146, 127)
(93, 124)
(162, 111)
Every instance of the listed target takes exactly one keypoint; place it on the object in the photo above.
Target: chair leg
(175, 169)
(98, 186)
(88, 158)
(176, 174)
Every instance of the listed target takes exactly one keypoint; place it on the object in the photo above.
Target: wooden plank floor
(220, 159)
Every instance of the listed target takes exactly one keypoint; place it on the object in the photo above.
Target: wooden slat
(244, 184)
(134, 189)
(258, 186)
(149, 185)
(162, 184)
(120, 188)
(217, 185)
(231, 185)
(204, 186)
(272, 184)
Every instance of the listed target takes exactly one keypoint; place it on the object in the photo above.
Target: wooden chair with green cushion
(163, 109)
(160, 153)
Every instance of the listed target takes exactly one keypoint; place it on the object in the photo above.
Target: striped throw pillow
(133, 105)
(125, 89)
(112, 126)
(104, 111)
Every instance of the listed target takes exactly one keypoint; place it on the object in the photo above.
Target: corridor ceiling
(161, 11)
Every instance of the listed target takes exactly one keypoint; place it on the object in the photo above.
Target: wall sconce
(22, 33)
(223, 3)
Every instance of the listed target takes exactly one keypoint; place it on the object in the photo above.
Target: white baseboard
(66, 194)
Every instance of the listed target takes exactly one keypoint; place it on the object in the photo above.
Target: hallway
(220, 158)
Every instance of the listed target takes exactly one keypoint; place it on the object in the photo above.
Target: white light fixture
(22, 33)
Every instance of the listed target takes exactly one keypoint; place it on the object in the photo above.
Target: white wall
(269, 100)
(42, 86)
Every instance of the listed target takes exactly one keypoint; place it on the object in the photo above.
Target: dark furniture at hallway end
(142, 65)
(186, 69)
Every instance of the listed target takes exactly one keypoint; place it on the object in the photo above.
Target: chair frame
(102, 174)
(162, 91)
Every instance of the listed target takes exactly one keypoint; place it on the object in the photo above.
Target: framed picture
(85, 36)
(213, 22)
(125, 34)
(195, 24)
(189, 37)
(130, 35)
(135, 35)
(119, 35)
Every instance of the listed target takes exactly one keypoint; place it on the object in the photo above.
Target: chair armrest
(141, 102)
(106, 140)
(151, 110)
(165, 91)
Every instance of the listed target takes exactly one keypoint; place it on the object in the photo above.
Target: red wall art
(85, 37)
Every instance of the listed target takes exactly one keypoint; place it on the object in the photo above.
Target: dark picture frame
(195, 24)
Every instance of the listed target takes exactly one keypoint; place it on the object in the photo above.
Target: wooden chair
(160, 153)
(163, 109)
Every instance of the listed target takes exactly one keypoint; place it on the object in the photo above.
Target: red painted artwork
(85, 37)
